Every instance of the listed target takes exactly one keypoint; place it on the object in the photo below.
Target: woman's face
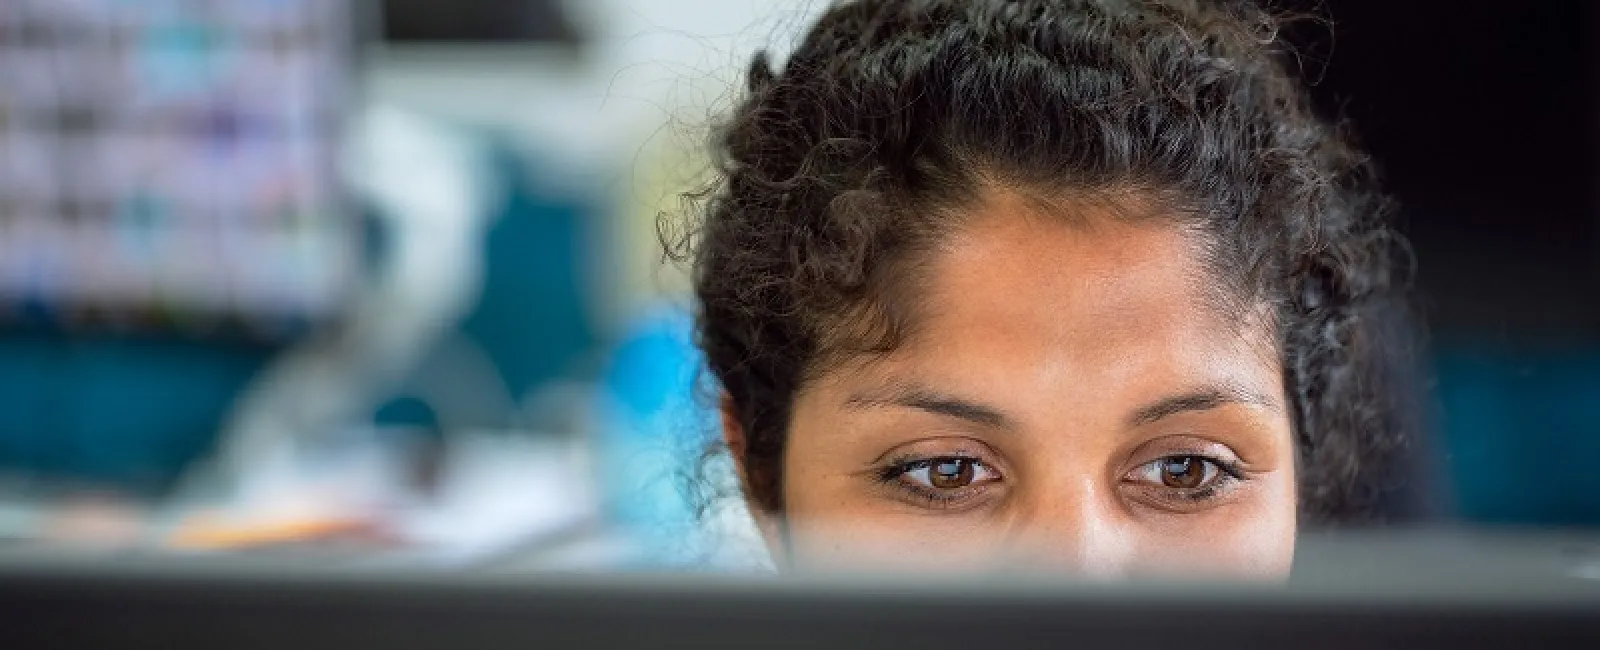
(1074, 395)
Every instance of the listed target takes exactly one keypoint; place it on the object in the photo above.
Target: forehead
(1090, 271)
(1031, 300)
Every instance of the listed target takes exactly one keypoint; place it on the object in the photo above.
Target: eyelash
(1229, 473)
(893, 474)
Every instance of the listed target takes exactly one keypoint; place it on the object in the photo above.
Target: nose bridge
(1075, 525)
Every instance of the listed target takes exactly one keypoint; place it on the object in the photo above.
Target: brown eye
(948, 473)
(1179, 473)
(951, 473)
(1183, 472)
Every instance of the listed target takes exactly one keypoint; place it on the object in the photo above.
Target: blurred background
(384, 275)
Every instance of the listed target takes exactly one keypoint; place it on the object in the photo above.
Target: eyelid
(946, 445)
(1186, 444)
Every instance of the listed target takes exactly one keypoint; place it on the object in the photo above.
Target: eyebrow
(923, 399)
(1200, 399)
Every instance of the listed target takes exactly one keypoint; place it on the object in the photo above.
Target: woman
(1074, 282)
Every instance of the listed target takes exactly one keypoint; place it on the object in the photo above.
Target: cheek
(835, 519)
(895, 543)
(1254, 538)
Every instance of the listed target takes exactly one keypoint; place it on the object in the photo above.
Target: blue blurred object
(1522, 431)
(654, 433)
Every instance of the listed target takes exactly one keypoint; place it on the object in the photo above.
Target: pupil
(951, 473)
(1182, 472)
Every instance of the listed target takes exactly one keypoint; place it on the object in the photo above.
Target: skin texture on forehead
(1064, 352)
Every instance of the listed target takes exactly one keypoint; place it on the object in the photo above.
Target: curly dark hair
(839, 168)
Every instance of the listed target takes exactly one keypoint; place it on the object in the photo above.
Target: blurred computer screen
(169, 163)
